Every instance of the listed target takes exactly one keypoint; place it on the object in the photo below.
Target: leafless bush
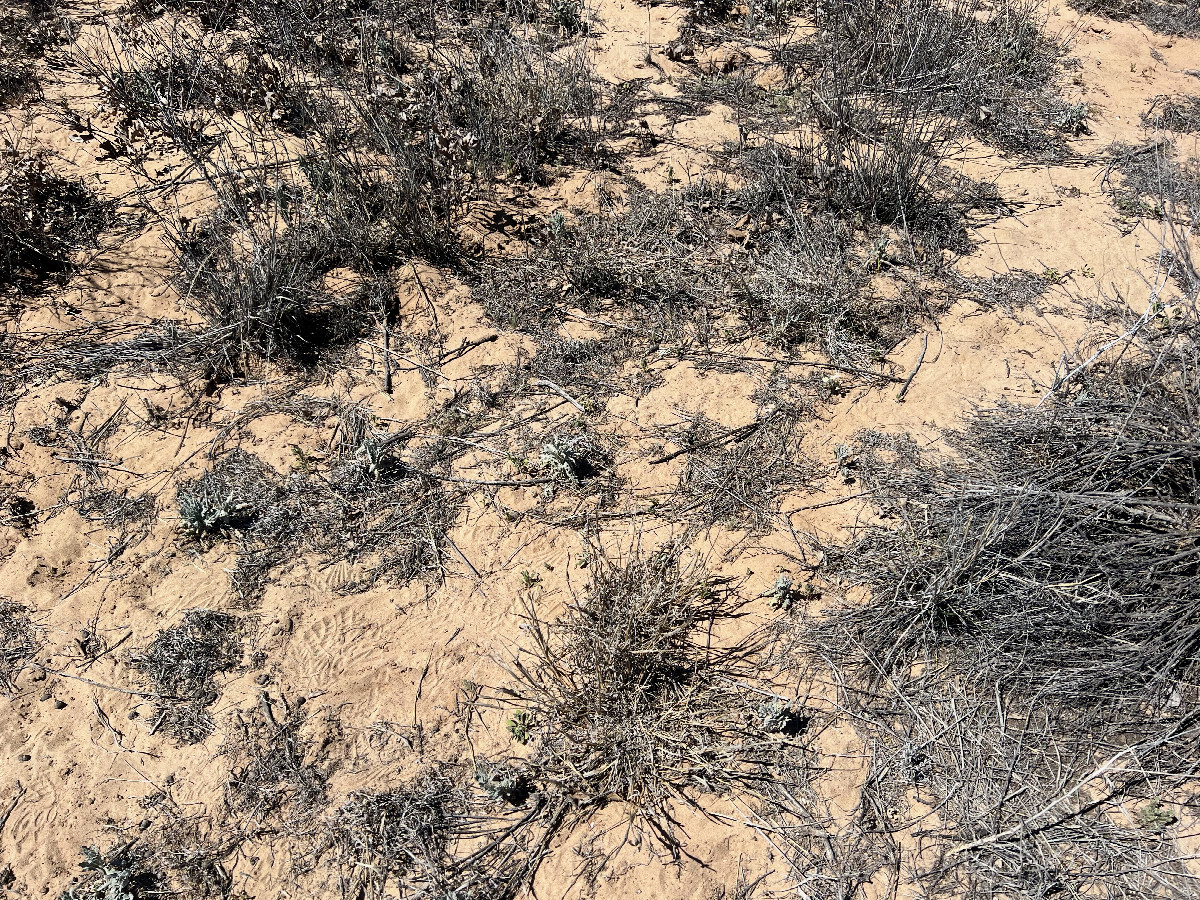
(1180, 17)
(1178, 114)
(181, 663)
(1027, 660)
(630, 698)
(47, 221)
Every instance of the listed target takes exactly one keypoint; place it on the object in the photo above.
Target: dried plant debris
(1049, 567)
(275, 769)
(1180, 17)
(404, 836)
(738, 476)
(432, 837)
(1015, 545)
(629, 698)
(658, 270)
(1155, 181)
(1178, 114)
(647, 253)
(47, 221)
(360, 503)
(180, 667)
(20, 641)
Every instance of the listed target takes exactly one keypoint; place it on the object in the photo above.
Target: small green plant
(1155, 816)
(501, 782)
(778, 717)
(782, 595)
(203, 513)
(568, 16)
(567, 458)
(115, 876)
(520, 726)
(529, 579)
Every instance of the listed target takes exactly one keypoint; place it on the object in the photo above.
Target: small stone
(24, 757)
(59, 704)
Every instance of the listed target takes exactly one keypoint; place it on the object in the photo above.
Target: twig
(917, 368)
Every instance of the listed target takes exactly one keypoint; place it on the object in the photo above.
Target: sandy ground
(77, 752)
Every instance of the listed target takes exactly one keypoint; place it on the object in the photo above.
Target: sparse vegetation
(632, 700)
(181, 664)
(394, 298)
(20, 641)
(47, 221)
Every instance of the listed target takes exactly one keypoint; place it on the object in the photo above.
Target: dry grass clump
(20, 641)
(810, 287)
(650, 253)
(1178, 114)
(273, 766)
(404, 838)
(738, 476)
(631, 696)
(30, 29)
(356, 501)
(1181, 17)
(775, 259)
(995, 72)
(181, 664)
(257, 279)
(1028, 658)
(172, 86)
(47, 221)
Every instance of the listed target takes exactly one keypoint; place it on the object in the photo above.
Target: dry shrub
(1181, 17)
(361, 504)
(181, 664)
(1027, 660)
(1178, 114)
(631, 697)
(31, 28)
(47, 221)
(650, 254)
